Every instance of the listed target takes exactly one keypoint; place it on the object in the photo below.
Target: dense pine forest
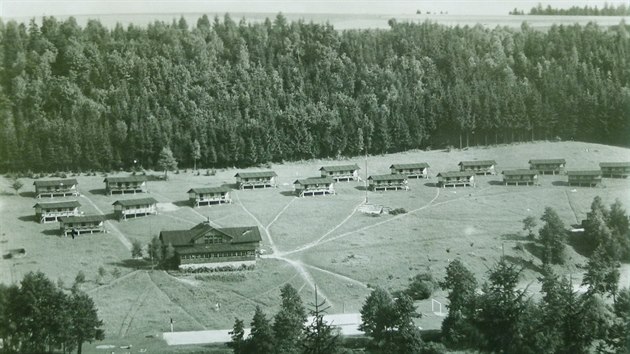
(239, 93)
(607, 10)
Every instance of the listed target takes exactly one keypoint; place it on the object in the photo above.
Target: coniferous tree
(261, 338)
(166, 161)
(461, 284)
(320, 337)
(552, 237)
(237, 334)
(288, 323)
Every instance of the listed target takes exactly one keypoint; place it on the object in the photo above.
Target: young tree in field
(166, 161)
(196, 153)
(461, 284)
(136, 249)
(288, 324)
(85, 324)
(421, 286)
(237, 334)
(17, 185)
(529, 224)
(552, 237)
(155, 251)
(320, 337)
(261, 338)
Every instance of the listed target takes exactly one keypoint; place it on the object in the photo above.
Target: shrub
(421, 286)
(398, 211)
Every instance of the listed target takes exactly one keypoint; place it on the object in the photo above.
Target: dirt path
(195, 320)
(123, 239)
(205, 218)
(126, 322)
(269, 239)
(572, 207)
(113, 282)
(337, 275)
(279, 214)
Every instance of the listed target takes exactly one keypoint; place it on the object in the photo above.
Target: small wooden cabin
(548, 166)
(204, 246)
(411, 170)
(589, 178)
(209, 195)
(615, 169)
(134, 207)
(521, 176)
(314, 186)
(388, 182)
(456, 178)
(56, 188)
(253, 180)
(76, 225)
(129, 184)
(478, 167)
(52, 211)
(341, 173)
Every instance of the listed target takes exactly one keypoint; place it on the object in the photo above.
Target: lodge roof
(56, 182)
(64, 204)
(546, 161)
(340, 168)
(256, 174)
(125, 179)
(389, 177)
(186, 237)
(205, 190)
(134, 202)
(477, 163)
(614, 164)
(400, 166)
(82, 218)
(520, 172)
(584, 173)
(455, 174)
(314, 180)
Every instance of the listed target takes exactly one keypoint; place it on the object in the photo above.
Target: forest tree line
(226, 93)
(607, 10)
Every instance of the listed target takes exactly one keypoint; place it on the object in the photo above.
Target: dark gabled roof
(314, 180)
(82, 218)
(185, 237)
(340, 168)
(584, 173)
(216, 247)
(456, 174)
(65, 204)
(546, 161)
(520, 172)
(243, 234)
(133, 202)
(614, 164)
(256, 174)
(400, 166)
(56, 182)
(390, 177)
(477, 163)
(206, 190)
(126, 179)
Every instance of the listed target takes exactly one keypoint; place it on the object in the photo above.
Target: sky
(37, 8)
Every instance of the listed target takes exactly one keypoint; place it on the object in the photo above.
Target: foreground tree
(461, 285)
(85, 324)
(166, 161)
(261, 338)
(288, 324)
(237, 334)
(552, 237)
(529, 224)
(320, 337)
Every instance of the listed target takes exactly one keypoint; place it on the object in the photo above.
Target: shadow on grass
(52, 232)
(230, 185)
(526, 264)
(496, 183)
(99, 191)
(135, 264)
(534, 249)
(515, 237)
(28, 218)
(288, 193)
(431, 184)
(560, 183)
(27, 194)
(361, 188)
(580, 244)
(182, 203)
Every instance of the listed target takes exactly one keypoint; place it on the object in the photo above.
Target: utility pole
(366, 176)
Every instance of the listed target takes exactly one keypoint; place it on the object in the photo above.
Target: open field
(313, 240)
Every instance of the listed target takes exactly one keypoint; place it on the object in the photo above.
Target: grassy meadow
(319, 240)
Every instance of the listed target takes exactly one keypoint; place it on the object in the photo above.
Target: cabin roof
(338, 168)
(56, 182)
(64, 204)
(520, 172)
(125, 179)
(205, 190)
(399, 166)
(546, 161)
(134, 202)
(455, 174)
(314, 180)
(614, 164)
(389, 177)
(584, 173)
(82, 218)
(256, 174)
(185, 237)
(477, 163)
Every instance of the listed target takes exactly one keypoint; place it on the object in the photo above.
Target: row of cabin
(70, 187)
(46, 212)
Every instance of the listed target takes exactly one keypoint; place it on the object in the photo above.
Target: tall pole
(366, 177)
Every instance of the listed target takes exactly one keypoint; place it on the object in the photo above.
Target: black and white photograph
(315, 177)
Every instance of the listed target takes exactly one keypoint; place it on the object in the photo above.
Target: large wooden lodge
(204, 246)
(388, 182)
(341, 172)
(615, 169)
(56, 188)
(411, 170)
(254, 180)
(478, 167)
(314, 186)
(548, 166)
(520, 176)
(456, 178)
(209, 195)
(126, 208)
(76, 225)
(52, 211)
(129, 184)
(589, 178)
